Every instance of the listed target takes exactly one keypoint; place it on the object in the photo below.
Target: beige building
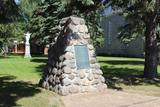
(113, 45)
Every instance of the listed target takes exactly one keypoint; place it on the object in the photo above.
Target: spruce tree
(45, 20)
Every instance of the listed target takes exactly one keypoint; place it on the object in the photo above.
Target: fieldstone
(97, 66)
(61, 58)
(54, 71)
(92, 53)
(83, 29)
(69, 49)
(85, 82)
(59, 72)
(71, 76)
(77, 20)
(101, 87)
(60, 64)
(82, 22)
(67, 70)
(69, 56)
(51, 88)
(90, 47)
(73, 61)
(72, 66)
(65, 63)
(73, 89)
(56, 88)
(102, 79)
(44, 84)
(57, 64)
(63, 21)
(57, 80)
(49, 70)
(51, 78)
(92, 66)
(90, 77)
(73, 28)
(93, 60)
(96, 81)
(96, 76)
(84, 42)
(64, 76)
(87, 70)
(75, 71)
(66, 82)
(94, 71)
(99, 72)
(82, 74)
(77, 81)
(63, 91)
(86, 36)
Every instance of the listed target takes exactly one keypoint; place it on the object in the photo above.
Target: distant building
(113, 45)
(19, 48)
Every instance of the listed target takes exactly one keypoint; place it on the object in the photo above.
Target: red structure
(18, 48)
(35, 49)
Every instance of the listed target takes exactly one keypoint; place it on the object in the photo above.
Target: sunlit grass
(18, 83)
(125, 74)
(19, 78)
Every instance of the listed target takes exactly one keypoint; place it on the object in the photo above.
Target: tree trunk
(151, 48)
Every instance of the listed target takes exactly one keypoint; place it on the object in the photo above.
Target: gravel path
(110, 98)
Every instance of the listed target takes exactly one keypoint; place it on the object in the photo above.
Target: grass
(125, 74)
(19, 78)
(18, 83)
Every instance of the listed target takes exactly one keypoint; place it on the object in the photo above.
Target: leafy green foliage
(12, 18)
(8, 11)
(143, 20)
(45, 20)
(135, 12)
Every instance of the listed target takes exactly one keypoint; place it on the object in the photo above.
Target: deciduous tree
(143, 20)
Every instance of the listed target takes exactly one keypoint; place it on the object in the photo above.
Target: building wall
(112, 45)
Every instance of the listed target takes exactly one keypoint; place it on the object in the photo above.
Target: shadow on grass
(123, 75)
(39, 60)
(40, 69)
(5, 57)
(11, 91)
(123, 62)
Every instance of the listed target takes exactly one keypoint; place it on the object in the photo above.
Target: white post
(27, 45)
(15, 46)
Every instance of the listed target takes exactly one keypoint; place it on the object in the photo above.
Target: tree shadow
(40, 68)
(11, 91)
(122, 75)
(39, 60)
(123, 62)
(4, 57)
(42, 60)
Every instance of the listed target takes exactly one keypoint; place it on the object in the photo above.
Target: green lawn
(19, 78)
(18, 83)
(125, 74)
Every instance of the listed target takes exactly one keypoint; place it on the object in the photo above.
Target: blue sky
(107, 11)
(17, 1)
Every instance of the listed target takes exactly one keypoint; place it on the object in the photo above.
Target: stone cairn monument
(27, 45)
(72, 65)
